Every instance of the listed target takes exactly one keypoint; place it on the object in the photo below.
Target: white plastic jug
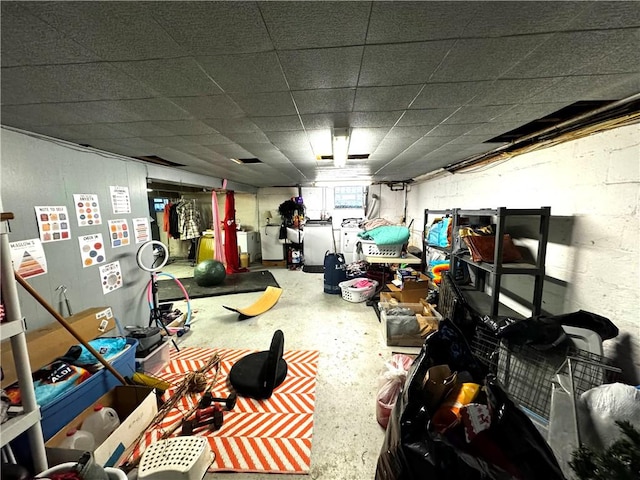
(101, 423)
(78, 440)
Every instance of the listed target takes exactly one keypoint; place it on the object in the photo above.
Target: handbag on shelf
(482, 248)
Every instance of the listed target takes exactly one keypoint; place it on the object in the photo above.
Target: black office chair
(257, 374)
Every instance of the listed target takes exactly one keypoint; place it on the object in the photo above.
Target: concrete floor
(346, 436)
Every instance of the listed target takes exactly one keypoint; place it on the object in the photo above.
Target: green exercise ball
(209, 273)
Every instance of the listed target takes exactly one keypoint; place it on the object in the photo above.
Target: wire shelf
(528, 374)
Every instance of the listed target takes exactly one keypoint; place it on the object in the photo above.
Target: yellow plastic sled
(268, 299)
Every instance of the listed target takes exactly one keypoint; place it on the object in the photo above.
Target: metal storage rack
(14, 329)
(490, 304)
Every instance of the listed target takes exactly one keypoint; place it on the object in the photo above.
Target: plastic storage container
(101, 423)
(68, 406)
(79, 440)
(156, 360)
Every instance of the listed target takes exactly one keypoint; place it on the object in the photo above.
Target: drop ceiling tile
(128, 110)
(296, 25)
(113, 30)
(277, 124)
(402, 64)
(567, 52)
(432, 116)
(287, 139)
(250, 72)
(374, 119)
(476, 114)
(186, 127)
(213, 106)
(592, 87)
(171, 76)
(385, 98)
(454, 94)
(210, 139)
(232, 125)
(136, 142)
(42, 114)
(500, 19)
(212, 28)
(171, 141)
(242, 138)
(431, 142)
(265, 104)
(321, 67)
(393, 22)
(451, 129)
(394, 146)
(492, 129)
(301, 154)
(95, 131)
(68, 83)
(27, 40)
(624, 59)
(511, 91)
(231, 151)
(325, 101)
(606, 15)
(414, 132)
(523, 114)
(325, 120)
(140, 129)
(365, 140)
(64, 132)
(486, 58)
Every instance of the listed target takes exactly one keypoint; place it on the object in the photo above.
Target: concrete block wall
(593, 256)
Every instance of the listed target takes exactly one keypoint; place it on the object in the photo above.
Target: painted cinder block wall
(593, 256)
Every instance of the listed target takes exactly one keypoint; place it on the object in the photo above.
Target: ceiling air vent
(158, 161)
(555, 118)
(246, 161)
(356, 156)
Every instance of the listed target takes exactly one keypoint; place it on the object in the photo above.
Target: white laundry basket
(355, 294)
(371, 248)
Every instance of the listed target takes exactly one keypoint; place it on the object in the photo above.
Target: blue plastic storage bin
(70, 404)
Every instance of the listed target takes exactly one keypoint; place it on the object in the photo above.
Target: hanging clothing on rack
(174, 229)
(188, 220)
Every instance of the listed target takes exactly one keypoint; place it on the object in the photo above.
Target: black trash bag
(539, 332)
(412, 449)
(583, 319)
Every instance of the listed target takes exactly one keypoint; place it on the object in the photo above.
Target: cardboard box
(411, 291)
(52, 341)
(407, 331)
(136, 407)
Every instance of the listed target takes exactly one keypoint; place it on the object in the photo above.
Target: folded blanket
(387, 235)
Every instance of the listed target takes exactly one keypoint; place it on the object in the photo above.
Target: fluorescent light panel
(340, 147)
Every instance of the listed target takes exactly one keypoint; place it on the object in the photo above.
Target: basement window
(348, 197)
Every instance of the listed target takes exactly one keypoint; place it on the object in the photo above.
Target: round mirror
(152, 256)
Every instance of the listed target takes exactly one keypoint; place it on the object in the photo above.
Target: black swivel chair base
(257, 374)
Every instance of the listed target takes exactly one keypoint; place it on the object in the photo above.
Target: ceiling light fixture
(237, 160)
(340, 147)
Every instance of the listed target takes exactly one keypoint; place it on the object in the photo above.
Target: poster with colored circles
(87, 209)
(92, 250)
(53, 223)
(119, 233)
(110, 277)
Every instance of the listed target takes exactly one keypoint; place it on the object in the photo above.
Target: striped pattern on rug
(270, 436)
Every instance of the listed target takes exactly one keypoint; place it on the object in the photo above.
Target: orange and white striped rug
(269, 436)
